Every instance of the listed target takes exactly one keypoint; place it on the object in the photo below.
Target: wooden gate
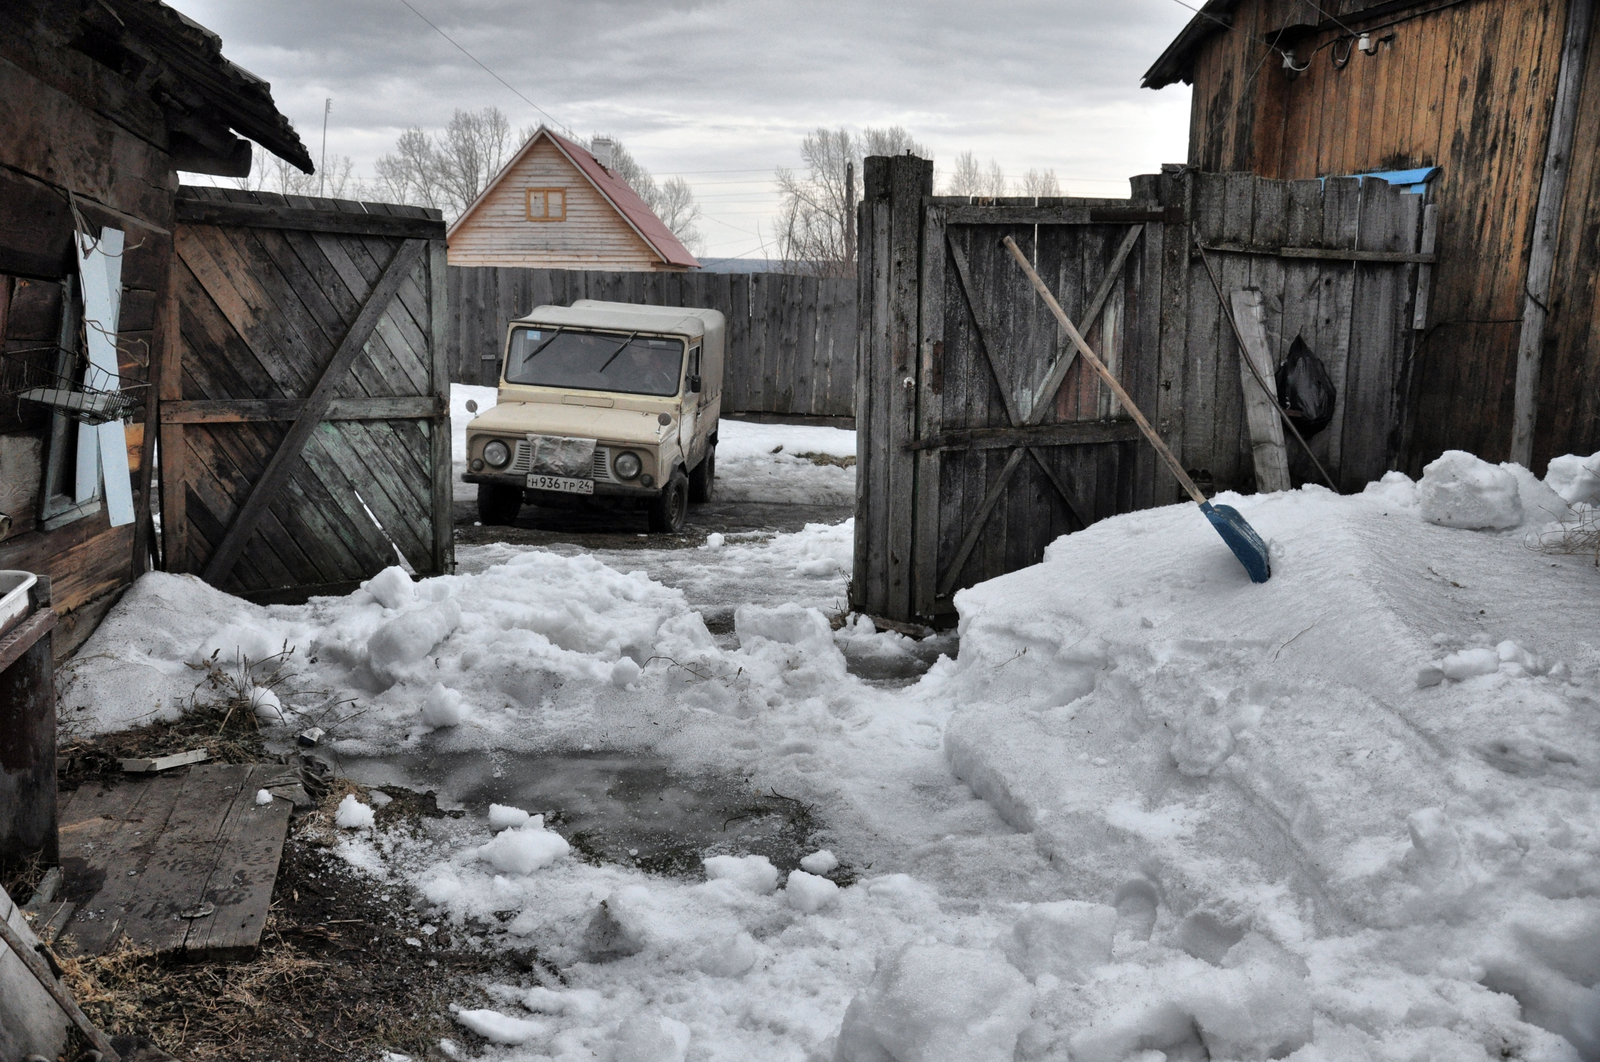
(305, 438)
(982, 436)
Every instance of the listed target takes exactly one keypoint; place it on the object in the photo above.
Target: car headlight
(626, 464)
(497, 453)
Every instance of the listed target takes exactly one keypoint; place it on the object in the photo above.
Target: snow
(1149, 810)
(353, 814)
(1576, 480)
(500, 1028)
(808, 893)
(1459, 490)
(263, 796)
(524, 849)
(750, 873)
(819, 862)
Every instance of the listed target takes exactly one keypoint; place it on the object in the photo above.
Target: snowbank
(1346, 814)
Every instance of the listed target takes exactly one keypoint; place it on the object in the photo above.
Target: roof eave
(1176, 63)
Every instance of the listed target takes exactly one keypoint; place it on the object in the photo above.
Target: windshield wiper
(535, 351)
(618, 351)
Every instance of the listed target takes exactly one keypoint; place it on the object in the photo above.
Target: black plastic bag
(1304, 390)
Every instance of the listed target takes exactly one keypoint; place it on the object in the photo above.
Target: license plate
(562, 484)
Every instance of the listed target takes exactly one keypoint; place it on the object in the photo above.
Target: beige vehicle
(602, 404)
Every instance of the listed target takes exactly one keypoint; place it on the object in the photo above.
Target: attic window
(547, 204)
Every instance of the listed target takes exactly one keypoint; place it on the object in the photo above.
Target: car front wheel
(498, 504)
(671, 506)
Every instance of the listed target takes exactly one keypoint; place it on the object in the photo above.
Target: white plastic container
(14, 587)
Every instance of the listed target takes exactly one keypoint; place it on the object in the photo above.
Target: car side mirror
(694, 384)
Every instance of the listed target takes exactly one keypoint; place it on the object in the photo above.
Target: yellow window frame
(551, 203)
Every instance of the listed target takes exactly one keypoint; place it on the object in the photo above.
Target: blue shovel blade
(1241, 538)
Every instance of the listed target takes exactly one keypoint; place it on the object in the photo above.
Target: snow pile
(1460, 490)
(785, 463)
(1349, 813)
(1333, 810)
(1575, 479)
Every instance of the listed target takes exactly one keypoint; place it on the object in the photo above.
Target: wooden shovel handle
(1105, 374)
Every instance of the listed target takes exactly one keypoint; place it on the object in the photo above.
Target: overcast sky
(722, 92)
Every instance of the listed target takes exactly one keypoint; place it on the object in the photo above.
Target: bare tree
(447, 170)
(269, 173)
(1041, 185)
(815, 220)
(970, 178)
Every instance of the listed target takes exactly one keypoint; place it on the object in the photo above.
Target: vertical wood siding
(593, 235)
(1469, 89)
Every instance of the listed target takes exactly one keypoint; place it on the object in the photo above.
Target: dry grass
(1579, 536)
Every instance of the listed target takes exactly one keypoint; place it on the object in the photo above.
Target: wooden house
(556, 206)
(1503, 97)
(102, 102)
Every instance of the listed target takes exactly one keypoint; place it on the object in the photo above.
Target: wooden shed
(556, 206)
(102, 102)
(1503, 97)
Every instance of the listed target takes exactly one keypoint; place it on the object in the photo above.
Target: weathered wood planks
(180, 863)
(305, 410)
(1004, 442)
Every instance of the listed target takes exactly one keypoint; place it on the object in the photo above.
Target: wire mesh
(66, 383)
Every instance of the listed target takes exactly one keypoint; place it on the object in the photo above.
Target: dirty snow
(1150, 811)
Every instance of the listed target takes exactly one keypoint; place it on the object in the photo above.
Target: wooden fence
(791, 339)
(981, 437)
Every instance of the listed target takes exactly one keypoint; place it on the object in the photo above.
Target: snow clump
(808, 893)
(265, 704)
(750, 873)
(524, 849)
(1576, 480)
(820, 862)
(442, 707)
(1460, 490)
(501, 1028)
(502, 817)
(353, 814)
(392, 587)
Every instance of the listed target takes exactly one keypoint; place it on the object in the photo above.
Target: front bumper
(601, 489)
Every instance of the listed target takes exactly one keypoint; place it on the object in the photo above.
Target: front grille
(600, 471)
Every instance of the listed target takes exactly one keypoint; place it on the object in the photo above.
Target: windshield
(594, 361)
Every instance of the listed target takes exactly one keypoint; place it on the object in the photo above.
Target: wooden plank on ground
(174, 863)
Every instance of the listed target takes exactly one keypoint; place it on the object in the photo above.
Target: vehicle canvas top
(616, 316)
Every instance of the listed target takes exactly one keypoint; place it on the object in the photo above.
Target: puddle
(897, 664)
(612, 807)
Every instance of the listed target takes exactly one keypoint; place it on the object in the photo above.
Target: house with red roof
(556, 206)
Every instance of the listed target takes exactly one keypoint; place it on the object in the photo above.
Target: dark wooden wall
(969, 465)
(1467, 88)
(56, 138)
(791, 339)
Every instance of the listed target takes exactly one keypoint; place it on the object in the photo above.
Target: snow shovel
(1235, 531)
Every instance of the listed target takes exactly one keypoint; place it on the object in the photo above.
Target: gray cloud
(722, 91)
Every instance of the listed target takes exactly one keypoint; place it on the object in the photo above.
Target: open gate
(305, 438)
(982, 437)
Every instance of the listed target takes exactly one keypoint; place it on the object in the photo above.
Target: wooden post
(886, 395)
(28, 739)
(1546, 223)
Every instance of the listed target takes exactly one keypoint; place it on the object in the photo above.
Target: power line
(491, 73)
